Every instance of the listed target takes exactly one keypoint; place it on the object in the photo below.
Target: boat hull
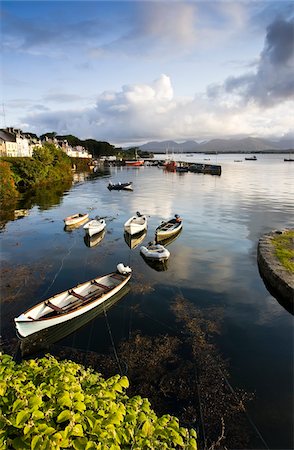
(26, 326)
(94, 227)
(135, 225)
(137, 163)
(161, 234)
(75, 220)
(155, 252)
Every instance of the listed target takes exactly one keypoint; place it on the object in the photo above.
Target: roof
(7, 137)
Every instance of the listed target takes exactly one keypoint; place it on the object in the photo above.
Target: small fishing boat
(135, 162)
(72, 302)
(94, 226)
(42, 340)
(155, 252)
(75, 219)
(170, 165)
(120, 186)
(136, 224)
(168, 228)
(251, 158)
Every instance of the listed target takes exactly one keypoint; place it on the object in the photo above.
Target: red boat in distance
(135, 162)
(170, 165)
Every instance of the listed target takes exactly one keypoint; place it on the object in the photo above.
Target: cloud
(141, 112)
(273, 81)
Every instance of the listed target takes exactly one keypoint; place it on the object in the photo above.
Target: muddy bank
(278, 280)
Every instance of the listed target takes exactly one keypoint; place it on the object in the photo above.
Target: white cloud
(143, 112)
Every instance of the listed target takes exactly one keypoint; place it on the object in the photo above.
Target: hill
(244, 145)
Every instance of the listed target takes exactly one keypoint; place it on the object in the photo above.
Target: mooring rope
(112, 341)
(60, 268)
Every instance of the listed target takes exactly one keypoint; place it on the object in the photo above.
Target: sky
(132, 72)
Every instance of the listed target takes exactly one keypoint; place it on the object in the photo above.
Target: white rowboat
(136, 224)
(75, 219)
(94, 226)
(72, 303)
(169, 228)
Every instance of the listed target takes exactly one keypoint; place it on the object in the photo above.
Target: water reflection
(42, 340)
(159, 266)
(169, 240)
(134, 240)
(95, 239)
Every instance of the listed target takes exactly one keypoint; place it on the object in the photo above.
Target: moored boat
(136, 224)
(72, 302)
(135, 162)
(155, 252)
(95, 226)
(120, 186)
(170, 165)
(168, 228)
(75, 219)
(251, 158)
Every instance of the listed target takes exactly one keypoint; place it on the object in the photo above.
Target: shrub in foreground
(50, 404)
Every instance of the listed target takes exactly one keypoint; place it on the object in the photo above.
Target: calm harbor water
(212, 264)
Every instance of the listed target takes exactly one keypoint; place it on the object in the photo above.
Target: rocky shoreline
(278, 280)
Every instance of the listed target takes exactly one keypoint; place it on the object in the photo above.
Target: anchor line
(60, 268)
(112, 341)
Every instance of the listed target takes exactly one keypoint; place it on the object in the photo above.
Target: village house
(15, 143)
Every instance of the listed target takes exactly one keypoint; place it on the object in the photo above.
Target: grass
(284, 249)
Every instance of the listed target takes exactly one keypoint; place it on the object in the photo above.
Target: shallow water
(212, 264)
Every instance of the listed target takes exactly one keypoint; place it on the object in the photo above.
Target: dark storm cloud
(279, 42)
(273, 81)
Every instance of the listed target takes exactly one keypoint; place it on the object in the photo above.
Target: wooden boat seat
(56, 308)
(117, 276)
(103, 286)
(75, 294)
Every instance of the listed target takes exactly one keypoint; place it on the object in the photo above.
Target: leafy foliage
(8, 189)
(46, 404)
(47, 164)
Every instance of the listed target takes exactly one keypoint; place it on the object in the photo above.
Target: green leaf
(79, 443)
(36, 442)
(22, 417)
(35, 402)
(37, 415)
(77, 430)
(147, 428)
(18, 404)
(64, 400)
(63, 416)
(79, 406)
(124, 382)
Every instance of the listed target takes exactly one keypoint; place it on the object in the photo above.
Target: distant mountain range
(245, 145)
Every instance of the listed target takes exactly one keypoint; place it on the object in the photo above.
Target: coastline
(278, 280)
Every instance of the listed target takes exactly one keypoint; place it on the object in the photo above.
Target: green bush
(8, 189)
(48, 164)
(47, 404)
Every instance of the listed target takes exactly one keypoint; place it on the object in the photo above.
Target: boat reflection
(134, 240)
(95, 239)
(159, 266)
(42, 340)
(169, 240)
